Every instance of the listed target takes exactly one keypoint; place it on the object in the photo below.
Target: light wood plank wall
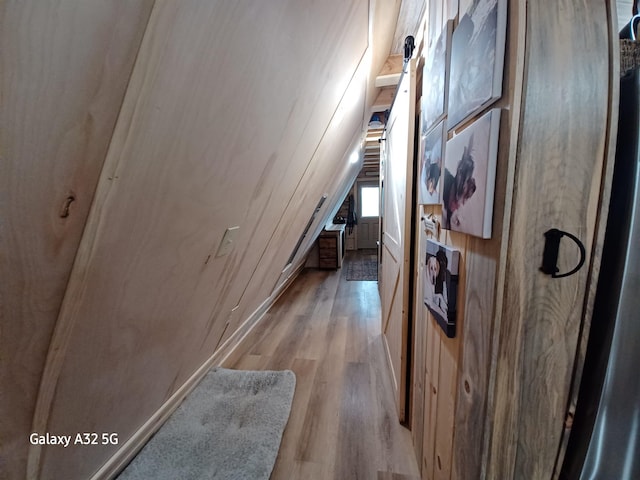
(64, 68)
(490, 403)
(182, 168)
(450, 376)
(239, 116)
(232, 115)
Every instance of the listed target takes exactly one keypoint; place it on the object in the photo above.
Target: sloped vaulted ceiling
(236, 114)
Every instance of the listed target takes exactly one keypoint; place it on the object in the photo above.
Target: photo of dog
(440, 284)
(431, 148)
(458, 189)
(469, 177)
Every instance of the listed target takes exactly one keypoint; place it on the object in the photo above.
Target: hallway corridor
(343, 422)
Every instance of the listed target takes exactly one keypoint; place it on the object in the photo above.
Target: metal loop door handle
(550, 254)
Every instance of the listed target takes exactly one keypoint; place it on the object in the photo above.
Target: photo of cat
(440, 284)
(431, 148)
(469, 177)
(477, 59)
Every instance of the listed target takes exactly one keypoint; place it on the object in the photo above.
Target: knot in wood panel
(64, 210)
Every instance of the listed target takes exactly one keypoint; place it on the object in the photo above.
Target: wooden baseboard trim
(132, 446)
(235, 340)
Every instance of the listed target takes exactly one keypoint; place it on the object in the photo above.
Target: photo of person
(469, 177)
(431, 165)
(477, 59)
(440, 284)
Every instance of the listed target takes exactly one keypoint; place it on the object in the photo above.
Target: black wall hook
(550, 254)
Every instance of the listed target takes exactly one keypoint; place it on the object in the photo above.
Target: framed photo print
(469, 177)
(432, 158)
(435, 79)
(436, 15)
(440, 284)
(477, 59)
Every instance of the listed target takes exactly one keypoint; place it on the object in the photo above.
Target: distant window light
(369, 202)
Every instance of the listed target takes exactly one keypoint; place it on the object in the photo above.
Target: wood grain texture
(457, 369)
(392, 65)
(384, 99)
(600, 226)
(148, 301)
(445, 406)
(432, 372)
(487, 283)
(64, 68)
(448, 352)
(485, 272)
(343, 422)
(419, 339)
(557, 184)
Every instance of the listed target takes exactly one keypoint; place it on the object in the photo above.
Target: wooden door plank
(419, 340)
(485, 270)
(432, 373)
(445, 408)
(541, 316)
(397, 238)
(393, 294)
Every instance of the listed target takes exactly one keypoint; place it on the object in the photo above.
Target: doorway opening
(369, 212)
(370, 201)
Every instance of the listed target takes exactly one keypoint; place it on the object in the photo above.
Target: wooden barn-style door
(397, 158)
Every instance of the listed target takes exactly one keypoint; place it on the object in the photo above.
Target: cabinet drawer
(327, 243)
(327, 252)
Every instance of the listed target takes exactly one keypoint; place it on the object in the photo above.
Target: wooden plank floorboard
(300, 299)
(343, 421)
(287, 463)
(355, 438)
(317, 441)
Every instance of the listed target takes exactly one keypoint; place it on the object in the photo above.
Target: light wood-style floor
(343, 422)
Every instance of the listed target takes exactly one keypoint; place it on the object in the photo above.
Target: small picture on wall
(432, 148)
(435, 79)
(440, 282)
(477, 59)
(469, 177)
